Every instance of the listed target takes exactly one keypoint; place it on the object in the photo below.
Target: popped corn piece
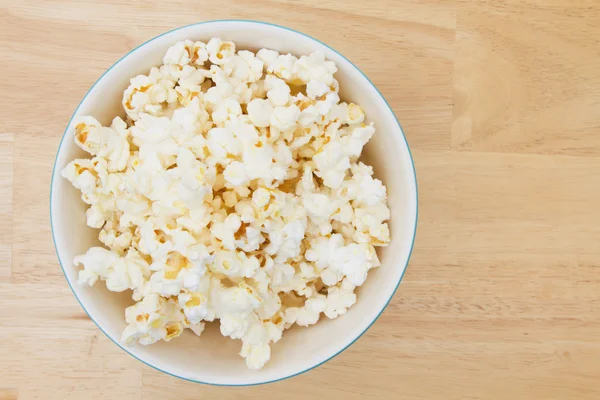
(222, 144)
(225, 231)
(254, 69)
(256, 355)
(319, 209)
(240, 299)
(219, 51)
(199, 53)
(118, 241)
(197, 328)
(332, 164)
(152, 319)
(371, 191)
(278, 92)
(355, 142)
(282, 66)
(285, 118)
(285, 240)
(152, 94)
(196, 305)
(235, 174)
(261, 197)
(176, 272)
(356, 115)
(119, 273)
(96, 262)
(86, 175)
(315, 68)
(234, 264)
(186, 52)
(309, 313)
(339, 299)
(177, 54)
(336, 260)
(109, 143)
(308, 115)
(260, 111)
(250, 239)
(190, 84)
(316, 89)
(226, 110)
(233, 325)
(96, 216)
(267, 56)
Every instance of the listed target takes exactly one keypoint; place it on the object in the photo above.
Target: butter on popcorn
(232, 192)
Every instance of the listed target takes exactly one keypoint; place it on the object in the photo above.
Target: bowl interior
(213, 358)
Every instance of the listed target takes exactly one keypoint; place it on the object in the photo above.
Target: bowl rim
(403, 137)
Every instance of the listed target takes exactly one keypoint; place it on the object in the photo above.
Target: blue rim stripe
(409, 253)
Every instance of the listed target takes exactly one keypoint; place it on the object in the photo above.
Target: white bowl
(213, 358)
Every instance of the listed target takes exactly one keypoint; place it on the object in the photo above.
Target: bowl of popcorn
(233, 203)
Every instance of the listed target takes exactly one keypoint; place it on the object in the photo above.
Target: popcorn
(371, 191)
(332, 164)
(277, 90)
(256, 355)
(195, 306)
(308, 314)
(120, 273)
(96, 263)
(153, 319)
(235, 174)
(315, 68)
(190, 84)
(117, 240)
(261, 197)
(152, 94)
(283, 66)
(265, 163)
(95, 216)
(219, 51)
(84, 174)
(109, 143)
(186, 52)
(268, 57)
(319, 209)
(234, 326)
(355, 114)
(225, 231)
(285, 118)
(355, 142)
(240, 299)
(235, 264)
(285, 241)
(250, 240)
(228, 109)
(316, 89)
(308, 116)
(177, 54)
(339, 299)
(176, 272)
(233, 193)
(222, 144)
(254, 71)
(259, 111)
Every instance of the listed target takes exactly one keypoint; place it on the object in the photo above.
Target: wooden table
(500, 101)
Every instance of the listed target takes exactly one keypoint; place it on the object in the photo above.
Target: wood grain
(526, 77)
(499, 101)
(6, 204)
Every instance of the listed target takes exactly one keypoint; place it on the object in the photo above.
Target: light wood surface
(500, 101)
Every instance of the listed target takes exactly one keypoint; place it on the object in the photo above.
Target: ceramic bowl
(213, 358)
